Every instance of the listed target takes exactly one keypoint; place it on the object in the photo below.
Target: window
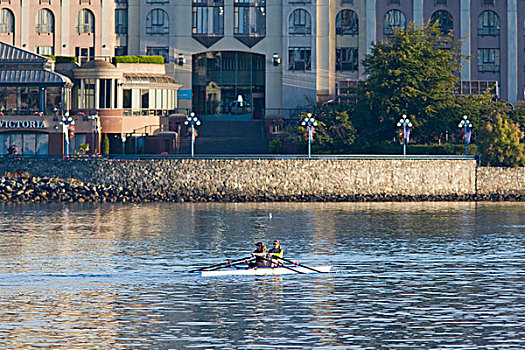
(7, 21)
(121, 50)
(444, 19)
(45, 22)
(208, 20)
(250, 17)
(84, 54)
(249, 21)
(44, 50)
(158, 51)
(157, 22)
(218, 78)
(440, 2)
(85, 22)
(157, 1)
(488, 60)
(394, 19)
(488, 24)
(27, 143)
(300, 23)
(121, 21)
(299, 58)
(346, 23)
(346, 59)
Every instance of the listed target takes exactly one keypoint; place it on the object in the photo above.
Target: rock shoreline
(29, 189)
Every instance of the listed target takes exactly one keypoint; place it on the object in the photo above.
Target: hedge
(65, 59)
(138, 59)
(125, 59)
(432, 149)
(151, 59)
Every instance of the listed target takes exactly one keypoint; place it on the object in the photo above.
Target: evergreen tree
(412, 73)
(105, 144)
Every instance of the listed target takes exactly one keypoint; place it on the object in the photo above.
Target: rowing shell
(263, 271)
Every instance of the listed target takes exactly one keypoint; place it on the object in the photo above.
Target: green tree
(412, 73)
(500, 142)
(335, 132)
(476, 107)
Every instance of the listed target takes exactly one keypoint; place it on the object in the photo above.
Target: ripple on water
(430, 275)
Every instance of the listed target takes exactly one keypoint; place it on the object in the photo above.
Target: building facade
(253, 59)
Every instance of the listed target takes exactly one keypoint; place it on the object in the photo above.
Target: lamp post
(310, 122)
(66, 122)
(467, 125)
(123, 138)
(192, 120)
(406, 124)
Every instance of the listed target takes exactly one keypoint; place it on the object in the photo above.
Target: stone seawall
(246, 180)
(492, 181)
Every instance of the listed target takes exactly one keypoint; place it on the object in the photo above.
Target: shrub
(275, 146)
(125, 59)
(151, 59)
(65, 59)
(105, 144)
(500, 141)
(138, 59)
(52, 57)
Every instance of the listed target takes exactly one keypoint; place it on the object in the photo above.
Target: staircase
(227, 137)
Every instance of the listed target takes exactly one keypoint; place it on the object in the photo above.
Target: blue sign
(184, 94)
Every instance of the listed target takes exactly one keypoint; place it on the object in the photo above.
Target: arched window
(45, 22)
(444, 19)
(394, 18)
(488, 24)
(157, 22)
(7, 21)
(85, 22)
(300, 23)
(346, 23)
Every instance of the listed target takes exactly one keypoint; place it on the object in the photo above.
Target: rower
(260, 255)
(276, 253)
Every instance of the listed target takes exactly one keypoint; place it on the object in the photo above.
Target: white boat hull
(265, 271)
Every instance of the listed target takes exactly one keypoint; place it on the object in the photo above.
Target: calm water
(408, 276)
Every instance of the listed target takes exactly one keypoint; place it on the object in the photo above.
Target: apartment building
(252, 59)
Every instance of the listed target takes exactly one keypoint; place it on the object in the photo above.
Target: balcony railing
(147, 112)
(488, 31)
(44, 29)
(488, 67)
(85, 29)
(159, 30)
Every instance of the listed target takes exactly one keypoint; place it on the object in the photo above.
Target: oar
(228, 265)
(306, 267)
(221, 264)
(286, 267)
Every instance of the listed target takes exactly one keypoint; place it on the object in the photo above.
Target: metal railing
(292, 156)
(245, 156)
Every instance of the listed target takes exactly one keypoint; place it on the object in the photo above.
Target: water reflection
(408, 275)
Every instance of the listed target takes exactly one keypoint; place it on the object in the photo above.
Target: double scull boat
(264, 271)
